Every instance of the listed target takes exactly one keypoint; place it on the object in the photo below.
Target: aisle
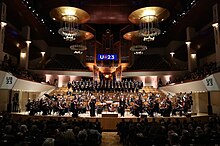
(110, 139)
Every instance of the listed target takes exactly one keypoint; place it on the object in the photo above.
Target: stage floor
(109, 120)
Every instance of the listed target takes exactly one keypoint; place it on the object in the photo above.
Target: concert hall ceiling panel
(110, 14)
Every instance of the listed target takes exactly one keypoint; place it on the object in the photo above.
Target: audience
(202, 72)
(198, 74)
(169, 132)
(50, 132)
(19, 72)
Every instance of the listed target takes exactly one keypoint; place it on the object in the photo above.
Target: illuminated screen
(107, 57)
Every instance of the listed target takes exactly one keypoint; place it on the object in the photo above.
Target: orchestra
(76, 102)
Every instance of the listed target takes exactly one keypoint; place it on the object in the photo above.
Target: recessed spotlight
(193, 55)
(187, 43)
(172, 53)
(28, 42)
(18, 45)
(215, 25)
(3, 24)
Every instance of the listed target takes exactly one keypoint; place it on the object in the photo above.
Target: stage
(109, 120)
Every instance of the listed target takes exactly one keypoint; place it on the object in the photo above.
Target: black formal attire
(92, 107)
(122, 107)
(15, 103)
(69, 85)
(136, 109)
(73, 109)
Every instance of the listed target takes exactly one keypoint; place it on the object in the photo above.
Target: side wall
(215, 101)
(23, 98)
(200, 102)
(4, 99)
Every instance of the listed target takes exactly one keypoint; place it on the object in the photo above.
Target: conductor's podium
(109, 114)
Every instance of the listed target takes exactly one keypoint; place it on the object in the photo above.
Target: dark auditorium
(109, 73)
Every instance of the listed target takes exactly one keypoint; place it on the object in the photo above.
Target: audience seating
(34, 132)
(64, 62)
(190, 132)
(151, 62)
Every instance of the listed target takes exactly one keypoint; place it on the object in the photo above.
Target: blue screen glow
(107, 57)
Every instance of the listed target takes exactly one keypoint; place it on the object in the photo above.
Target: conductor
(122, 106)
(92, 106)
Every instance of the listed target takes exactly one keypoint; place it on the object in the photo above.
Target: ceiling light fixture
(215, 25)
(148, 18)
(3, 24)
(172, 54)
(28, 42)
(188, 43)
(137, 48)
(83, 36)
(70, 18)
(42, 53)
(193, 55)
(78, 47)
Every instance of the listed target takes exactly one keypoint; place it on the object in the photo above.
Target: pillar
(24, 53)
(60, 80)
(42, 62)
(95, 73)
(216, 15)
(9, 105)
(188, 55)
(95, 54)
(2, 30)
(189, 34)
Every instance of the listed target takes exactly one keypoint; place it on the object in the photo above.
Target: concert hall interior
(109, 72)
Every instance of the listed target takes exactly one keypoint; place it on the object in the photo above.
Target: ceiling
(113, 15)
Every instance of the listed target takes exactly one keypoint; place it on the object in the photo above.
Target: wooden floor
(109, 120)
(110, 139)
